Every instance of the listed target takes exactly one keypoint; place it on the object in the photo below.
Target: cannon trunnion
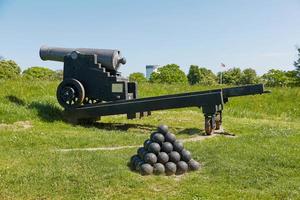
(92, 87)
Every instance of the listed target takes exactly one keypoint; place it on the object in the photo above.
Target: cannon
(92, 87)
(89, 76)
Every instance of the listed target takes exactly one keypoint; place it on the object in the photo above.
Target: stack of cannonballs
(163, 154)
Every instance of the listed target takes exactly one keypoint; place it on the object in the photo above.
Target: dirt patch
(193, 139)
(98, 148)
(20, 125)
(204, 137)
(198, 138)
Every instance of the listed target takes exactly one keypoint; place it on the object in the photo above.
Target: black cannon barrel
(109, 58)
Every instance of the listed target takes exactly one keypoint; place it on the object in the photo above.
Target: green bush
(207, 77)
(232, 76)
(297, 65)
(9, 69)
(194, 75)
(201, 76)
(41, 73)
(137, 77)
(249, 76)
(279, 78)
(235, 76)
(170, 73)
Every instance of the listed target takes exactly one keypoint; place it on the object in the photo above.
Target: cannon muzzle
(108, 58)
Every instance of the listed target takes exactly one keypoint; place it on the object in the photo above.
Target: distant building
(150, 69)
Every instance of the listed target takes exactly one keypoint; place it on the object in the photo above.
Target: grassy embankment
(262, 162)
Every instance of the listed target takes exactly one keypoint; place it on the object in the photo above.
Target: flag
(223, 65)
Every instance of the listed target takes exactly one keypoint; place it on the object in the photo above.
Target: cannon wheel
(70, 93)
(208, 126)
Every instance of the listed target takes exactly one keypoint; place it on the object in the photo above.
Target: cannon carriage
(92, 87)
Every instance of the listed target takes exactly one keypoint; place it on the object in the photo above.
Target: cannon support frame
(92, 88)
(211, 101)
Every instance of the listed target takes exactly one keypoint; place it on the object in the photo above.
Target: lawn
(262, 161)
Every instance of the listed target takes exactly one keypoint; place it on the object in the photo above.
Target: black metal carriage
(92, 87)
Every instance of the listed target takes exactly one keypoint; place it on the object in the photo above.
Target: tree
(41, 73)
(297, 65)
(275, 78)
(232, 76)
(9, 69)
(193, 75)
(137, 77)
(249, 76)
(207, 77)
(292, 78)
(169, 74)
(201, 76)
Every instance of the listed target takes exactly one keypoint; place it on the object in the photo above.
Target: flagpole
(221, 74)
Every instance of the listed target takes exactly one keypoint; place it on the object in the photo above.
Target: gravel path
(193, 139)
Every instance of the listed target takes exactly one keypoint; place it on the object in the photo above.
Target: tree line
(9, 69)
(172, 73)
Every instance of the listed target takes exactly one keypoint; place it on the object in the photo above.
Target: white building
(150, 69)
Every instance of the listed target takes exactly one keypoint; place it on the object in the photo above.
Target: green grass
(262, 162)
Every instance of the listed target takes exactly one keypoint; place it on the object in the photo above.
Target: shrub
(249, 76)
(232, 76)
(41, 73)
(9, 69)
(297, 65)
(137, 77)
(169, 74)
(207, 77)
(279, 78)
(194, 75)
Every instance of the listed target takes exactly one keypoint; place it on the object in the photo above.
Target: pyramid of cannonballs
(163, 154)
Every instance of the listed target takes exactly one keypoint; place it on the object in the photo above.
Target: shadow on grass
(50, 113)
(192, 131)
(46, 112)
(15, 100)
(119, 126)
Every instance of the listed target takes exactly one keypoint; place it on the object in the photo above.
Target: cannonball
(178, 146)
(150, 158)
(182, 167)
(167, 147)
(162, 157)
(170, 137)
(170, 168)
(174, 156)
(163, 129)
(138, 159)
(146, 143)
(186, 155)
(154, 148)
(141, 152)
(193, 165)
(158, 168)
(146, 169)
(138, 164)
(133, 159)
(158, 138)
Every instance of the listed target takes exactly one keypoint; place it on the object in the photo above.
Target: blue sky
(254, 33)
